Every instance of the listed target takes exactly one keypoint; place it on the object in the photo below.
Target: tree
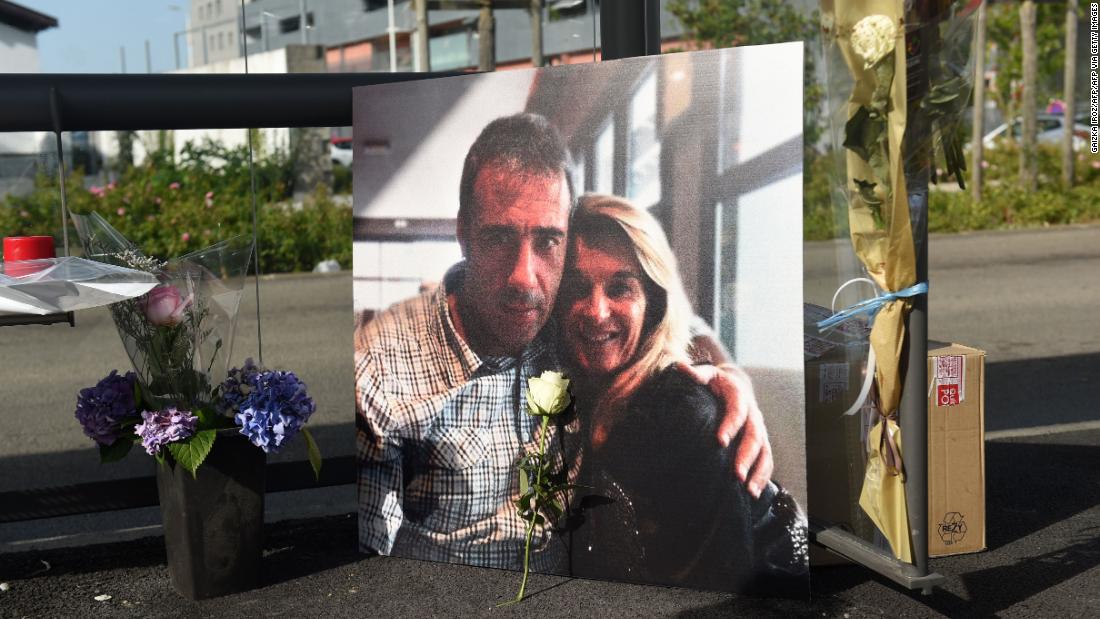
(729, 23)
(1029, 166)
(1070, 85)
(1004, 35)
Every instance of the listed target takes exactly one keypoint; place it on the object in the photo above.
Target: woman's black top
(660, 504)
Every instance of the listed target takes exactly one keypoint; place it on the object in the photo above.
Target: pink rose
(121, 211)
(209, 195)
(164, 306)
(173, 185)
(186, 236)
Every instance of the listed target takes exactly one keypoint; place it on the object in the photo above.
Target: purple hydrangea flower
(274, 409)
(162, 427)
(99, 409)
(236, 387)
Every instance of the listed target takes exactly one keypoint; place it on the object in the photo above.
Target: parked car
(341, 151)
(1049, 130)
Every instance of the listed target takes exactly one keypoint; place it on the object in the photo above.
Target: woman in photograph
(656, 502)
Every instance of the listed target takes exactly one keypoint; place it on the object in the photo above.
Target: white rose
(547, 394)
(873, 38)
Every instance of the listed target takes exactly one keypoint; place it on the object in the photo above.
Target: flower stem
(534, 514)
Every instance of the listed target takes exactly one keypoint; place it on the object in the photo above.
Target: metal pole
(303, 25)
(486, 34)
(205, 51)
(122, 57)
(422, 35)
(112, 102)
(55, 119)
(913, 409)
(176, 48)
(630, 28)
(148, 58)
(392, 30)
(242, 37)
(536, 33)
(255, 224)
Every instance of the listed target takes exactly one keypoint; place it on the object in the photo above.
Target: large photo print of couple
(578, 343)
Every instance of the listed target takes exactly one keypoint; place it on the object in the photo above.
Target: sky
(90, 32)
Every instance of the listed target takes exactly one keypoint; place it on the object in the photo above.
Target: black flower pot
(213, 522)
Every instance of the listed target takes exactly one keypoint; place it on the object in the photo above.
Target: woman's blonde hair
(603, 219)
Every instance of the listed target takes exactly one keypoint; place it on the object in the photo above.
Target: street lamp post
(265, 30)
(391, 28)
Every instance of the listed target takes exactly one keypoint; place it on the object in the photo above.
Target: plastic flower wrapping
(179, 337)
(900, 75)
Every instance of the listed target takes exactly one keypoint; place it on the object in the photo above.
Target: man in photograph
(440, 378)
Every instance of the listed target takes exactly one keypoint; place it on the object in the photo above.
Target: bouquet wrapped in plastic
(179, 337)
(899, 80)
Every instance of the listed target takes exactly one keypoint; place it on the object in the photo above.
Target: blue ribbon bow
(870, 307)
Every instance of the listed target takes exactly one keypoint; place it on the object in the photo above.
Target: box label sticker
(950, 377)
(947, 395)
(833, 382)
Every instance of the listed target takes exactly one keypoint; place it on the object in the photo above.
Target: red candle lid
(27, 247)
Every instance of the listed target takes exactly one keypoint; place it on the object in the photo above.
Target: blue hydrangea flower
(236, 387)
(165, 426)
(99, 409)
(274, 409)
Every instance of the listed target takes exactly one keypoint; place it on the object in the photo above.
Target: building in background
(213, 32)
(19, 28)
(20, 153)
(355, 34)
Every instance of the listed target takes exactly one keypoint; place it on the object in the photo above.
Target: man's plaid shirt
(440, 431)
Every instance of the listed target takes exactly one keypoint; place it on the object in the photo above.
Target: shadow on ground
(1043, 522)
(1044, 391)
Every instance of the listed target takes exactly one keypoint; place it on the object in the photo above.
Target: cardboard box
(835, 456)
(956, 449)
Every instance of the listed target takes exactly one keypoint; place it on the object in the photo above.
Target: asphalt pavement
(1028, 298)
(1043, 561)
